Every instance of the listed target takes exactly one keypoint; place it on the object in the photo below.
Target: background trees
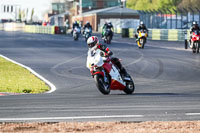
(162, 4)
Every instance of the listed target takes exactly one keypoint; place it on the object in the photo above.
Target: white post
(80, 5)
(124, 3)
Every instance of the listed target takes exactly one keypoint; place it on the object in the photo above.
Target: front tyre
(101, 85)
(130, 87)
(144, 40)
(198, 47)
(194, 48)
(75, 37)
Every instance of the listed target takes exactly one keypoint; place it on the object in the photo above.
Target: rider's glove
(110, 53)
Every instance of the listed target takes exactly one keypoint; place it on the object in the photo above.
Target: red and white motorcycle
(106, 74)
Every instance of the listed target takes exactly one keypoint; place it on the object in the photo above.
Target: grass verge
(16, 79)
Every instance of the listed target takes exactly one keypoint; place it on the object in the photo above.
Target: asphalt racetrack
(166, 76)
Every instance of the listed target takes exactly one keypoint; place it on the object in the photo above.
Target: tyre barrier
(39, 29)
(60, 30)
(159, 34)
(45, 29)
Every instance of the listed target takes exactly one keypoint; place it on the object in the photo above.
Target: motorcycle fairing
(107, 67)
(115, 85)
(116, 80)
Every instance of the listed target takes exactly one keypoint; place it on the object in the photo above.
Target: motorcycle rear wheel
(103, 88)
(108, 39)
(130, 87)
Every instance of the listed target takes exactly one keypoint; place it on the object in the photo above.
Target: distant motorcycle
(107, 75)
(108, 36)
(87, 33)
(142, 37)
(194, 43)
(76, 33)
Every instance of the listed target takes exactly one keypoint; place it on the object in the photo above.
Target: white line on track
(71, 118)
(192, 114)
(53, 88)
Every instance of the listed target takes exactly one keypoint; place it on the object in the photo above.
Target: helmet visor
(90, 45)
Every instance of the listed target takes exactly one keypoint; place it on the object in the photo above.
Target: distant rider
(140, 27)
(87, 25)
(75, 24)
(194, 27)
(93, 45)
(105, 27)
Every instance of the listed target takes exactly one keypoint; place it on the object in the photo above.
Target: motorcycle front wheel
(75, 37)
(101, 85)
(198, 47)
(142, 43)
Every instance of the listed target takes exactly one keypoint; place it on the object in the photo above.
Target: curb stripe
(192, 114)
(71, 118)
(53, 88)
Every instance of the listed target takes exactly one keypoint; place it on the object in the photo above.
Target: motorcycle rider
(140, 27)
(107, 25)
(75, 24)
(94, 44)
(194, 27)
(87, 25)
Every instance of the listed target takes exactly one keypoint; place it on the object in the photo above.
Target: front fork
(101, 72)
(105, 76)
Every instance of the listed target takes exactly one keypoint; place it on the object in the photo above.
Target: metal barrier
(167, 19)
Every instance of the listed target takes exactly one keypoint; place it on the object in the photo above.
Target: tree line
(163, 4)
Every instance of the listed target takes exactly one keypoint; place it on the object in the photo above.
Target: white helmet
(92, 42)
(87, 22)
(109, 22)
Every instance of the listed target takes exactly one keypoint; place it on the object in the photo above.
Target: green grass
(16, 79)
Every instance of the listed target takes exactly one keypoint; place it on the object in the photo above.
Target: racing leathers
(75, 25)
(140, 27)
(114, 60)
(192, 29)
(87, 26)
(105, 27)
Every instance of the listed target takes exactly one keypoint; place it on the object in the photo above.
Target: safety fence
(166, 19)
(160, 34)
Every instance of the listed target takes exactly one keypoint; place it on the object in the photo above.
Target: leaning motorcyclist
(107, 25)
(140, 27)
(75, 24)
(93, 45)
(87, 25)
(194, 27)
